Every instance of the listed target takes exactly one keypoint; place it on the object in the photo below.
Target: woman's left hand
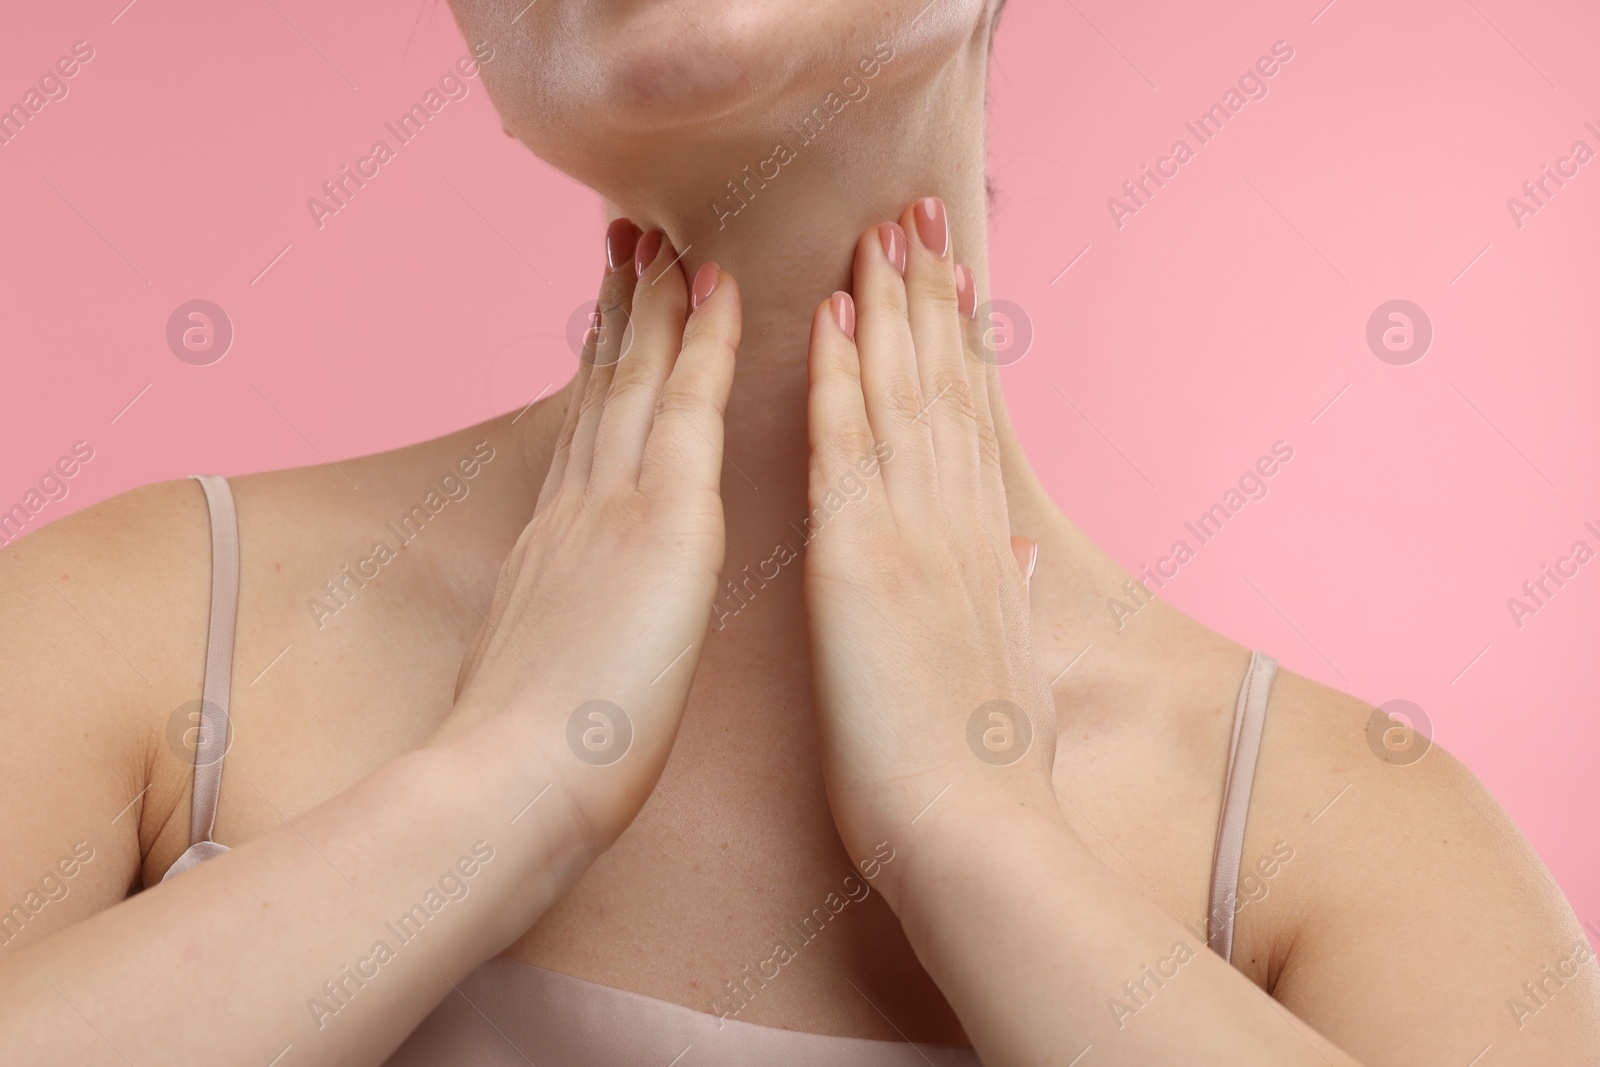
(930, 704)
(938, 730)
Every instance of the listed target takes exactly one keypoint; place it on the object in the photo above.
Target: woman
(747, 719)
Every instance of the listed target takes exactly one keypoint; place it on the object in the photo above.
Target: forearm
(336, 934)
(1036, 943)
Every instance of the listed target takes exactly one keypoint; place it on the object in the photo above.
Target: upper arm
(96, 634)
(1422, 926)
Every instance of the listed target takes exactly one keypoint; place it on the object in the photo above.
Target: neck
(784, 221)
(781, 207)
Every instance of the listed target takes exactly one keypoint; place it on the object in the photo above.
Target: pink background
(1223, 316)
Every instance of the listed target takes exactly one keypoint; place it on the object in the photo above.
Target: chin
(659, 72)
(576, 72)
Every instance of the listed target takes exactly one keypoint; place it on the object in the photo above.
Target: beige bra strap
(213, 740)
(1248, 717)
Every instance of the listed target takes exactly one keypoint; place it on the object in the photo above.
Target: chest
(732, 873)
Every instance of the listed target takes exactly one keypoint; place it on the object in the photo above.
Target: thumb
(1026, 551)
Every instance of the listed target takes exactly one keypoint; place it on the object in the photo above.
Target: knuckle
(673, 399)
(950, 387)
(672, 451)
(840, 452)
(616, 292)
(988, 443)
(625, 511)
(593, 400)
(705, 330)
(684, 401)
(892, 567)
(934, 290)
(630, 375)
(658, 291)
(904, 401)
(889, 292)
(844, 372)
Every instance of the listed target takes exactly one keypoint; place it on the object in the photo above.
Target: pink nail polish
(621, 236)
(844, 313)
(645, 254)
(932, 225)
(705, 280)
(966, 292)
(1033, 559)
(894, 245)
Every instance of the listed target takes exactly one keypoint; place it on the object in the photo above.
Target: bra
(513, 1014)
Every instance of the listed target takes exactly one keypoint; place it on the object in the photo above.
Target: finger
(843, 450)
(684, 450)
(607, 344)
(1026, 552)
(983, 378)
(889, 380)
(621, 236)
(569, 424)
(658, 315)
(933, 310)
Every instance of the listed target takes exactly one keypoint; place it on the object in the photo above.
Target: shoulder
(104, 626)
(1373, 787)
(1396, 879)
(104, 600)
(112, 602)
(102, 622)
(104, 619)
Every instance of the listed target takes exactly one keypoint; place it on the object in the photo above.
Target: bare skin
(1411, 910)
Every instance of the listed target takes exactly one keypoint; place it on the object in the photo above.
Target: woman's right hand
(601, 608)
(606, 596)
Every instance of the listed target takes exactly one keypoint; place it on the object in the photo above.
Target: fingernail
(645, 254)
(1033, 559)
(844, 313)
(894, 244)
(705, 280)
(621, 236)
(966, 292)
(932, 225)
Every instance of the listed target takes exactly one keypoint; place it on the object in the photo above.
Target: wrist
(504, 782)
(973, 858)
